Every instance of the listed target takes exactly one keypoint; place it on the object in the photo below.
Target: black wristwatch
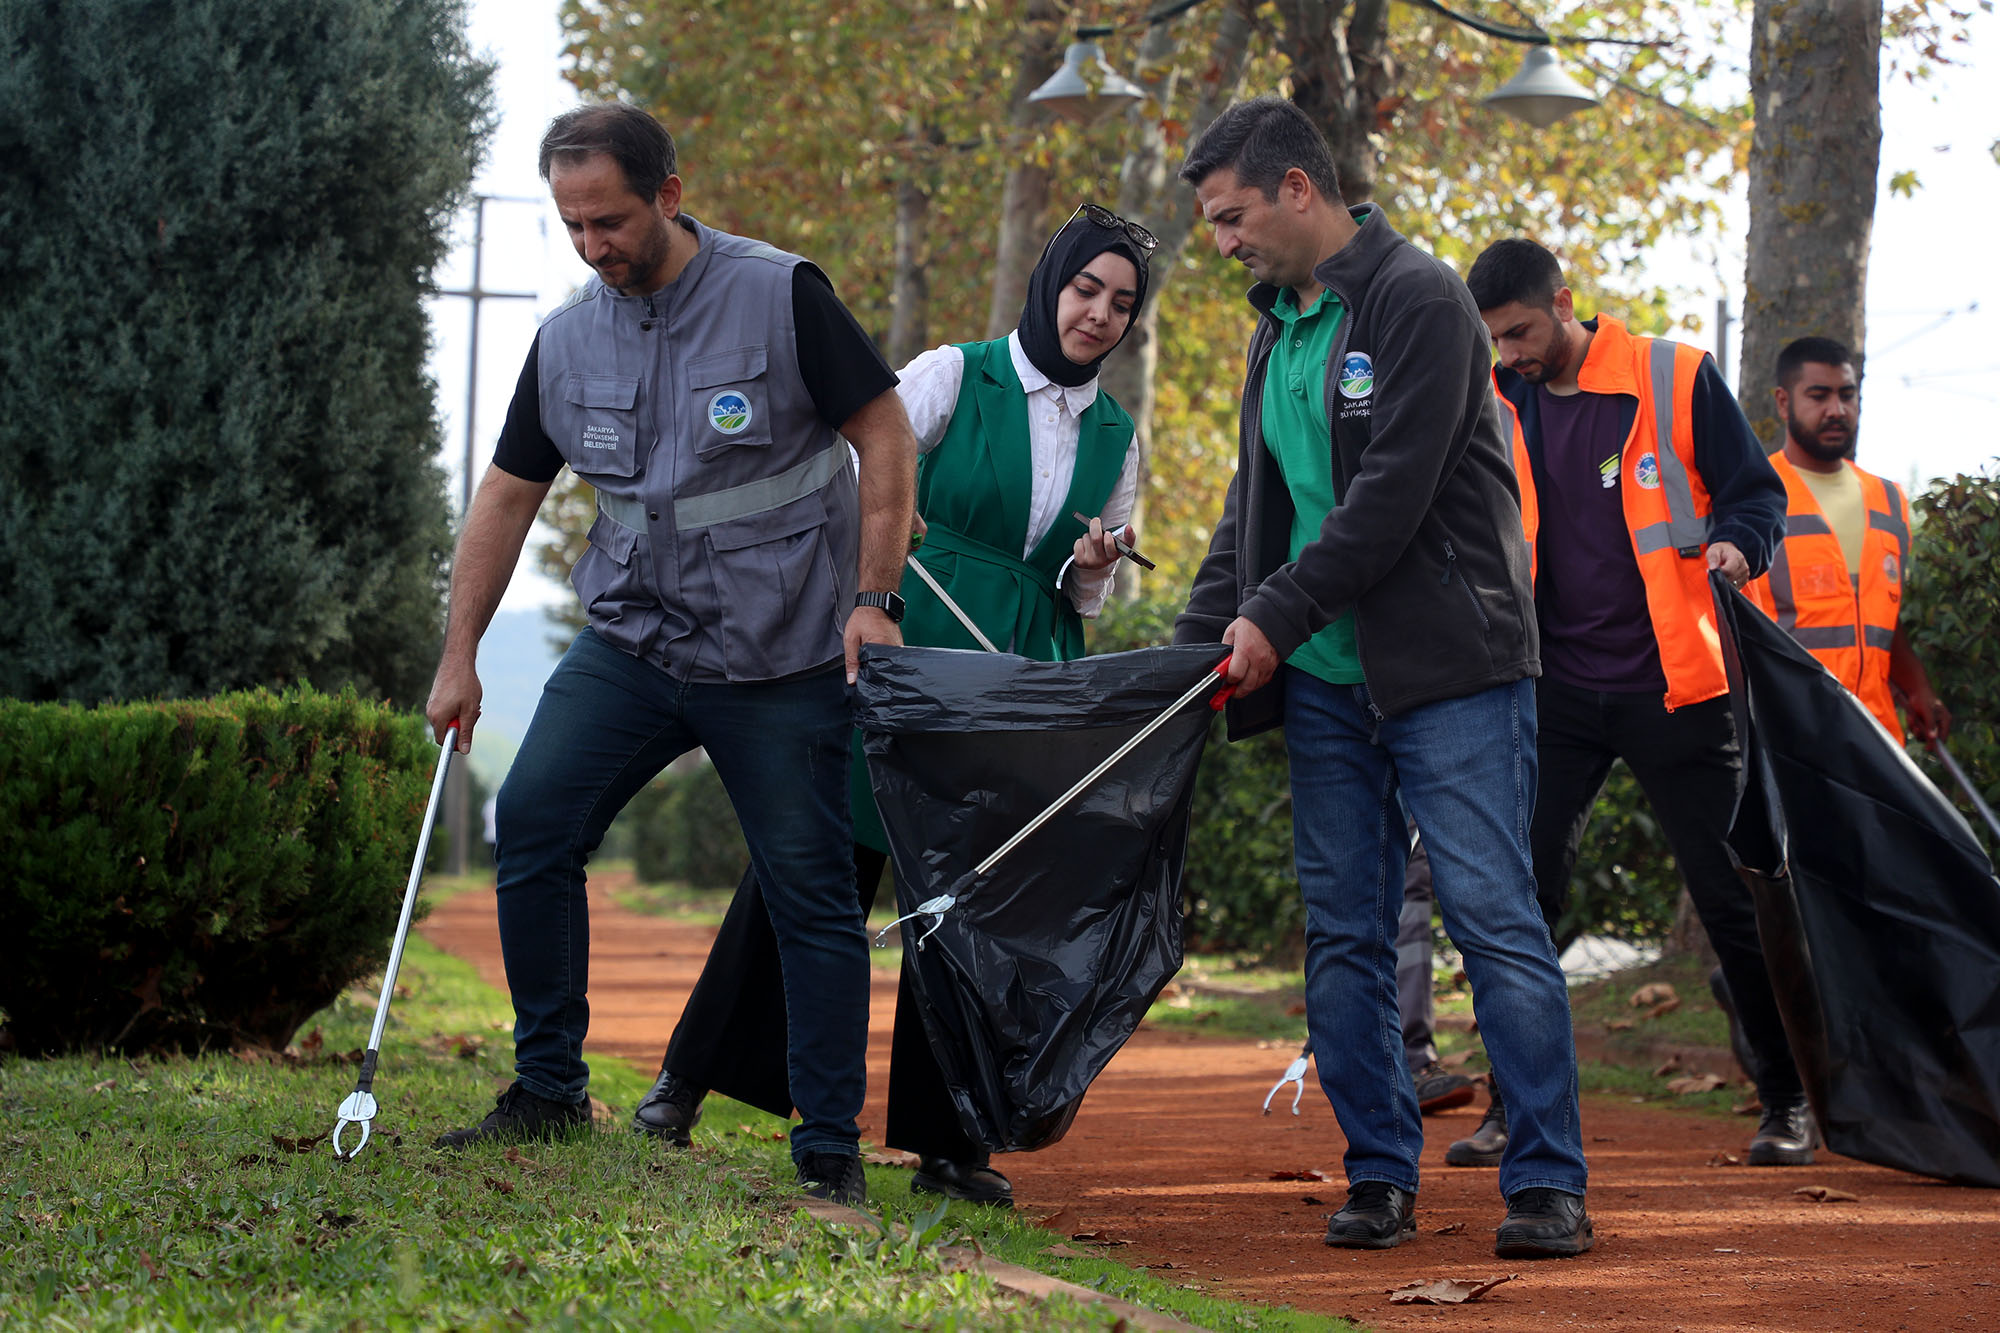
(889, 604)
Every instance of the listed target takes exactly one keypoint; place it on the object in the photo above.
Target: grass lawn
(189, 1194)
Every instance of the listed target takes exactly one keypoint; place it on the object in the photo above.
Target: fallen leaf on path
(1619, 1025)
(521, 1159)
(1449, 1229)
(1445, 1291)
(1666, 1006)
(1310, 1173)
(299, 1145)
(1825, 1194)
(891, 1157)
(1097, 1238)
(1671, 1065)
(1725, 1159)
(1653, 993)
(1060, 1220)
(1312, 1199)
(1681, 1087)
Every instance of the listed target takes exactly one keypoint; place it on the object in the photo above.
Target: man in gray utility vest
(701, 383)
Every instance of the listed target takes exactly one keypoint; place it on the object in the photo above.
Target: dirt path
(1170, 1155)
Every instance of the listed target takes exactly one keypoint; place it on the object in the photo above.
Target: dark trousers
(1688, 764)
(731, 1037)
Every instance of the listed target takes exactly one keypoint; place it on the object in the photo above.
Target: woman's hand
(1095, 550)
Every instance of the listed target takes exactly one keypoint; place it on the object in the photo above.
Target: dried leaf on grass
(1445, 1291)
(1060, 1220)
(495, 1183)
(1620, 1025)
(1654, 993)
(1664, 1007)
(1670, 1065)
(521, 1159)
(1825, 1194)
(299, 1145)
(1693, 1083)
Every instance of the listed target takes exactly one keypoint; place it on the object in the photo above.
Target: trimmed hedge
(201, 872)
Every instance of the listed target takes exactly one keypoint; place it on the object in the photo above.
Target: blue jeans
(1466, 769)
(607, 723)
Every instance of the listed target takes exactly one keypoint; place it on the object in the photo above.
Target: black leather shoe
(974, 1182)
(1487, 1143)
(1786, 1136)
(519, 1116)
(670, 1111)
(835, 1177)
(1544, 1224)
(1438, 1089)
(1378, 1216)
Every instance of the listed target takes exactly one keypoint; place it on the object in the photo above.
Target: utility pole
(458, 787)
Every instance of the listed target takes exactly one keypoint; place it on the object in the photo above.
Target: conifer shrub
(198, 873)
(684, 830)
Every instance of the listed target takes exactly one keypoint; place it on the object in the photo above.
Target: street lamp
(1086, 88)
(1542, 93)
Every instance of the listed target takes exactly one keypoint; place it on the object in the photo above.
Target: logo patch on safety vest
(1357, 375)
(1890, 570)
(729, 412)
(1647, 471)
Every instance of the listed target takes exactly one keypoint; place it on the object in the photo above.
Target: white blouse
(929, 390)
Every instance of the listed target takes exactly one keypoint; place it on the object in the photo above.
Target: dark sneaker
(1378, 1216)
(519, 1116)
(974, 1182)
(1487, 1143)
(835, 1177)
(1438, 1089)
(1544, 1224)
(1739, 1045)
(1786, 1136)
(670, 1111)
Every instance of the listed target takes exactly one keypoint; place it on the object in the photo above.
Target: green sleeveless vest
(973, 490)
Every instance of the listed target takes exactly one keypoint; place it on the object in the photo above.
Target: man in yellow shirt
(1836, 581)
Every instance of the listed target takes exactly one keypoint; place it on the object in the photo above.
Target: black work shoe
(670, 1111)
(1739, 1045)
(1377, 1216)
(519, 1116)
(1544, 1224)
(835, 1177)
(1438, 1089)
(974, 1182)
(1786, 1136)
(1487, 1143)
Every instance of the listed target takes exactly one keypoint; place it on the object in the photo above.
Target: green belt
(940, 538)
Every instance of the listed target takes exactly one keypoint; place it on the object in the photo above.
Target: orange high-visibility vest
(1846, 621)
(1666, 503)
(1531, 509)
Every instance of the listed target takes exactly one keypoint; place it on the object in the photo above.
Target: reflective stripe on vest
(1685, 531)
(753, 497)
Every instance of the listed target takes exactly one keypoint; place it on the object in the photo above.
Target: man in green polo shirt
(1370, 577)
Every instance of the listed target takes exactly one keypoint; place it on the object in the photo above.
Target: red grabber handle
(1222, 695)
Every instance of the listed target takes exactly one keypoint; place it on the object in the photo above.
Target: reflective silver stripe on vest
(623, 510)
(1684, 531)
(1780, 575)
(1875, 636)
(1895, 527)
(754, 497)
(1824, 636)
(1807, 525)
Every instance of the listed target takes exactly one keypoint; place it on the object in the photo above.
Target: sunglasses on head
(1103, 217)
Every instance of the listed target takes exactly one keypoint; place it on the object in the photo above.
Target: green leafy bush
(684, 829)
(202, 872)
(1952, 615)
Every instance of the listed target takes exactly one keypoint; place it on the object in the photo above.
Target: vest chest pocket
(599, 426)
(730, 400)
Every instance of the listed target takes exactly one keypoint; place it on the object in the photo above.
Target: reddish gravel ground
(1170, 1155)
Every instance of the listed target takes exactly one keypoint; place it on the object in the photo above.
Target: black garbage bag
(1879, 915)
(1031, 982)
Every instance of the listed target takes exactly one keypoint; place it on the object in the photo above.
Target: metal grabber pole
(359, 1108)
(1965, 785)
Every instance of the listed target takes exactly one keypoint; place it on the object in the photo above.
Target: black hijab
(1068, 254)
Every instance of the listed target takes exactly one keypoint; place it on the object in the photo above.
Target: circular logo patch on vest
(1889, 568)
(1357, 375)
(1647, 471)
(729, 412)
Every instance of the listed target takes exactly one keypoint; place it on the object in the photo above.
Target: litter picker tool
(935, 908)
(1295, 1072)
(359, 1108)
(1965, 785)
(949, 604)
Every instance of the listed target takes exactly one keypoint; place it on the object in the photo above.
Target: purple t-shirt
(1596, 633)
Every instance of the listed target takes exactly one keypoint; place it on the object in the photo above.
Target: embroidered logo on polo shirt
(1357, 375)
(729, 412)
(1608, 470)
(1647, 471)
(599, 437)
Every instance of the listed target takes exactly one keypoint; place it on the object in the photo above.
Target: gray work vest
(728, 522)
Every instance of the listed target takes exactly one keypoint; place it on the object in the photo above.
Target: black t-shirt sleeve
(837, 359)
(525, 450)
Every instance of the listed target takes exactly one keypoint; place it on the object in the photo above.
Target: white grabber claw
(1295, 1072)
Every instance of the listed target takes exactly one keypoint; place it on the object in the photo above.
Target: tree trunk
(1026, 195)
(1151, 193)
(1339, 76)
(910, 289)
(1814, 70)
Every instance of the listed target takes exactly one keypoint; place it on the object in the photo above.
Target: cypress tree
(217, 437)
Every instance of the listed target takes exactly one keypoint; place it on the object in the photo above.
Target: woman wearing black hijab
(1015, 438)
